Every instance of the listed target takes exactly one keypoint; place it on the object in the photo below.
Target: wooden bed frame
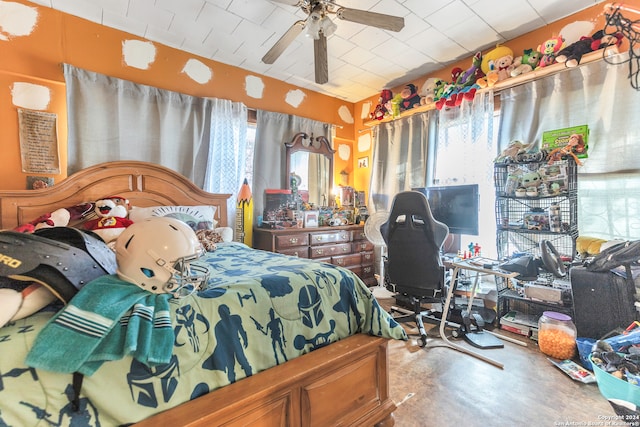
(345, 383)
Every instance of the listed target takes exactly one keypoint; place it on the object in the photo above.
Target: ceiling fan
(319, 26)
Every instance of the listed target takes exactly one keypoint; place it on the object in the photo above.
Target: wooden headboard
(143, 184)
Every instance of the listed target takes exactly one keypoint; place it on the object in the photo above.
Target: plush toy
(410, 97)
(607, 40)
(112, 218)
(526, 63)
(510, 153)
(572, 54)
(58, 218)
(428, 91)
(383, 109)
(396, 105)
(465, 86)
(549, 49)
(496, 65)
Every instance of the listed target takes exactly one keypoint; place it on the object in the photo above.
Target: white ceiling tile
(362, 59)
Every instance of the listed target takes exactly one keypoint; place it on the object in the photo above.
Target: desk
(478, 265)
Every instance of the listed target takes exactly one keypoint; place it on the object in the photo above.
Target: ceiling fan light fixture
(327, 26)
(313, 25)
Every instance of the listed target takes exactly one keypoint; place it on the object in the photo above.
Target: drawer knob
(320, 251)
(345, 249)
(367, 256)
(340, 262)
(319, 238)
(293, 240)
(367, 269)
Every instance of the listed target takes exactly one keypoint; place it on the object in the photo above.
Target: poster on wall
(38, 142)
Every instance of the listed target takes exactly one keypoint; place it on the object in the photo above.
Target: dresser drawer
(368, 258)
(329, 250)
(346, 260)
(300, 252)
(362, 245)
(291, 240)
(321, 238)
(367, 271)
(359, 235)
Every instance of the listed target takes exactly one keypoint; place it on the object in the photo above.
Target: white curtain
(598, 95)
(399, 158)
(227, 155)
(272, 131)
(112, 119)
(465, 152)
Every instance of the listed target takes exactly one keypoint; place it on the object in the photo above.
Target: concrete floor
(439, 386)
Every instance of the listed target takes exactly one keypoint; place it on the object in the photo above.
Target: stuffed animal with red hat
(113, 212)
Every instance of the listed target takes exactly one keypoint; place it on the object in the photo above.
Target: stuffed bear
(112, 218)
(496, 65)
(410, 97)
(549, 49)
(526, 63)
(428, 91)
(383, 109)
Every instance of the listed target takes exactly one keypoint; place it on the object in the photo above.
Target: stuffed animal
(395, 105)
(112, 218)
(607, 40)
(526, 63)
(410, 97)
(58, 218)
(383, 109)
(549, 49)
(428, 91)
(496, 65)
(465, 86)
(531, 180)
(572, 54)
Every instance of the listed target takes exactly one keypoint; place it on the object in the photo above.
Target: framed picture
(310, 219)
(38, 182)
(363, 162)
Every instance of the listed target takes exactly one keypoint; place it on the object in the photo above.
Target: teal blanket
(261, 309)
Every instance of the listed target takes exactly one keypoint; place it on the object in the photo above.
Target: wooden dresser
(345, 246)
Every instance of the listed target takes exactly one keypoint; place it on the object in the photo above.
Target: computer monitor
(455, 205)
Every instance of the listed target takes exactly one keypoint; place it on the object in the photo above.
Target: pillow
(197, 217)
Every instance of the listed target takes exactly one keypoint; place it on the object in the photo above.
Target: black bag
(625, 253)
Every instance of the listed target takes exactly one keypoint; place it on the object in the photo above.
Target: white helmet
(156, 255)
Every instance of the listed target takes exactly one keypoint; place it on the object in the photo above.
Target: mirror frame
(319, 145)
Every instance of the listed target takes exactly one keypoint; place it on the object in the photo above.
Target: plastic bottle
(557, 335)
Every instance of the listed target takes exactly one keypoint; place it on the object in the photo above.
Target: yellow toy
(496, 65)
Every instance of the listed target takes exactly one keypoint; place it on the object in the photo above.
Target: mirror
(310, 167)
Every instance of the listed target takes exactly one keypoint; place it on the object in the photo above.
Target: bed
(314, 339)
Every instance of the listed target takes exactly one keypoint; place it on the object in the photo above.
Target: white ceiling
(362, 60)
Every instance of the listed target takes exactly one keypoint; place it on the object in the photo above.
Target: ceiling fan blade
(380, 20)
(283, 42)
(320, 59)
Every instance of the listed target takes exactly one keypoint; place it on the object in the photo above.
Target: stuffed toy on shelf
(549, 49)
(383, 108)
(496, 65)
(410, 97)
(428, 91)
(526, 63)
(572, 55)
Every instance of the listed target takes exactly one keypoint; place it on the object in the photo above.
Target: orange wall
(60, 38)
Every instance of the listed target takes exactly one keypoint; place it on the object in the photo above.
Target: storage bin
(615, 388)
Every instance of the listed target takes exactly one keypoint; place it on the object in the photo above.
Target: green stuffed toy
(526, 63)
